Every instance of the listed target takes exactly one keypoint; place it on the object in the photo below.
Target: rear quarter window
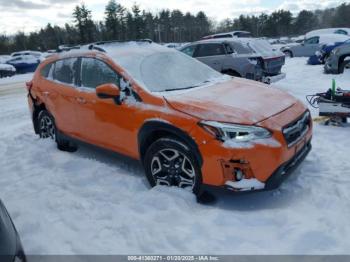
(66, 70)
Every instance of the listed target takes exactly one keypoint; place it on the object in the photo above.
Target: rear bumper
(273, 182)
(273, 79)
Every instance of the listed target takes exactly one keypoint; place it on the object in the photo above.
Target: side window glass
(210, 50)
(66, 70)
(312, 40)
(94, 72)
(341, 32)
(189, 50)
(229, 49)
(46, 70)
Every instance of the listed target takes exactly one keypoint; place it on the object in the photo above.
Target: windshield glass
(174, 71)
(159, 69)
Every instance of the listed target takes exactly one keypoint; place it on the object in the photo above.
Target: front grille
(296, 130)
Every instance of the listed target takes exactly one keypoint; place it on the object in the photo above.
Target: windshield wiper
(187, 87)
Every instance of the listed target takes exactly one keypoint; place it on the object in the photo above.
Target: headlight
(238, 133)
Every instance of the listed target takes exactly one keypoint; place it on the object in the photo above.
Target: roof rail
(122, 41)
(61, 49)
(93, 47)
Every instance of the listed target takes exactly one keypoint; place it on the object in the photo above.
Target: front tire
(170, 162)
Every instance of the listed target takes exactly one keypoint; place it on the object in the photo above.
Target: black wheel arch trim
(155, 129)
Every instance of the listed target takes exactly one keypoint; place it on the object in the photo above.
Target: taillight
(29, 85)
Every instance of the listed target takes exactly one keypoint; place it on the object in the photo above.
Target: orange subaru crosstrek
(189, 125)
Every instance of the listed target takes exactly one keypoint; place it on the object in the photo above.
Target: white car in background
(312, 44)
(339, 31)
(27, 53)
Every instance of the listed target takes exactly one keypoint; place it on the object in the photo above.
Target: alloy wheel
(47, 127)
(172, 168)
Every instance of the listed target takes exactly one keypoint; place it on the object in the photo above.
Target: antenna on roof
(93, 47)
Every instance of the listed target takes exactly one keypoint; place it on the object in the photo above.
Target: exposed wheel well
(155, 130)
(342, 58)
(37, 110)
(231, 72)
(289, 52)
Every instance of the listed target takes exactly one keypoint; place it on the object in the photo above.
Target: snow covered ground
(96, 202)
(16, 79)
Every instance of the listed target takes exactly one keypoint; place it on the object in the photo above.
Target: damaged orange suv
(189, 125)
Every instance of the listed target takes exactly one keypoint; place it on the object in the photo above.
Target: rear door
(61, 95)
(102, 122)
(212, 54)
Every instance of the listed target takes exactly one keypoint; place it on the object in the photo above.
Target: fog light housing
(238, 174)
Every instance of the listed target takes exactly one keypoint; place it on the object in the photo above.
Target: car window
(189, 50)
(95, 72)
(342, 32)
(229, 49)
(46, 70)
(243, 34)
(222, 36)
(242, 49)
(210, 50)
(65, 70)
(312, 40)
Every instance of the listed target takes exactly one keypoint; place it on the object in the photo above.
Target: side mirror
(109, 91)
(106, 91)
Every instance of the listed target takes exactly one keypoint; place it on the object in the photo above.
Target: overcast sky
(31, 15)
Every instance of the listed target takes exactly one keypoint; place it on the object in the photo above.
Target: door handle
(46, 93)
(81, 100)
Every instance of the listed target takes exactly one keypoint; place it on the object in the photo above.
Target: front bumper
(273, 182)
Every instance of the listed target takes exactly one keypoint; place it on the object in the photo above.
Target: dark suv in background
(249, 58)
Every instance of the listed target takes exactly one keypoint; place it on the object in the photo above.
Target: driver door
(310, 46)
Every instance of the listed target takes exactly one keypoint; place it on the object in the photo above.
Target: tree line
(166, 26)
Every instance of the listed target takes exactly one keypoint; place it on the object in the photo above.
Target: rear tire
(47, 129)
(169, 161)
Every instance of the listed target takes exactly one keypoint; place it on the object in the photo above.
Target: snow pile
(96, 202)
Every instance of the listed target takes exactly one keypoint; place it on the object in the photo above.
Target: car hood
(236, 101)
